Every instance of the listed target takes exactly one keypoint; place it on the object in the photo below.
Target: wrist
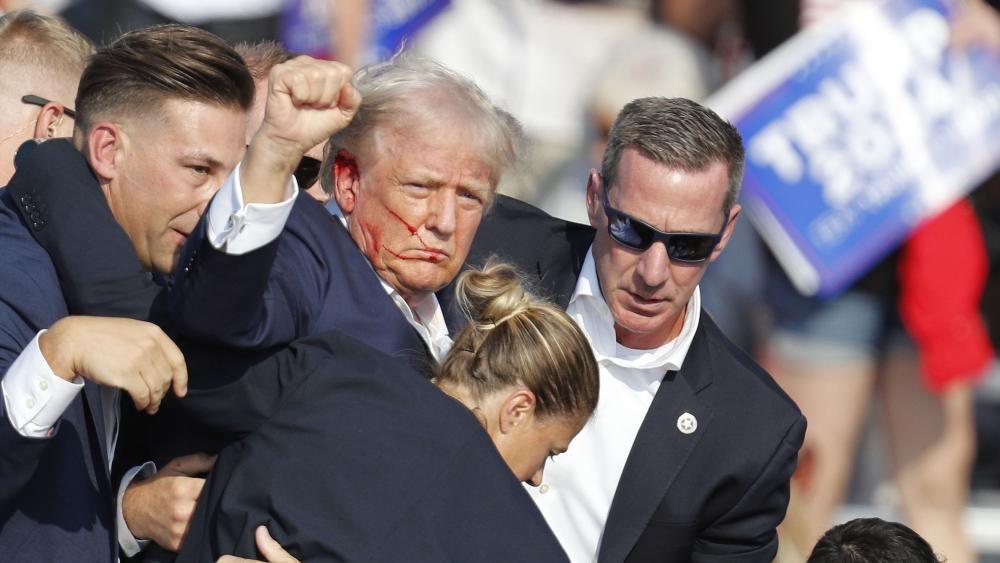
(267, 167)
(56, 349)
(128, 510)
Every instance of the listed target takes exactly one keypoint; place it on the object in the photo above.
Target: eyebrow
(202, 157)
(432, 178)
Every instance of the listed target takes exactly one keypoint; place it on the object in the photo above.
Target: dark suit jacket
(56, 501)
(99, 272)
(351, 455)
(311, 279)
(714, 495)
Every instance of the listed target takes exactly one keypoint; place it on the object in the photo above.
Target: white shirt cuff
(130, 544)
(34, 397)
(235, 228)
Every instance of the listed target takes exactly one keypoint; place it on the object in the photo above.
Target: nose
(654, 265)
(441, 217)
(536, 479)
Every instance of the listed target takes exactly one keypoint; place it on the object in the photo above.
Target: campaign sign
(858, 129)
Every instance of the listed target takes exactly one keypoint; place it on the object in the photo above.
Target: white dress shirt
(34, 397)
(579, 485)
(236, 228)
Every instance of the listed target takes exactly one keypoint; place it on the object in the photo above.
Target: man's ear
(516, 410)
(734, 216)
(346, 181)
(48, 122)
(594, 211)
(103, 143)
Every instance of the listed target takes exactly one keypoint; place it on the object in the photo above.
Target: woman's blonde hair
(516, 338)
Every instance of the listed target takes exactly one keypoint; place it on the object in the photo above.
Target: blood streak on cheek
(400, 256)
(412, 230)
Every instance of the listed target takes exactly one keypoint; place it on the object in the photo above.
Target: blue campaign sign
(858, 130)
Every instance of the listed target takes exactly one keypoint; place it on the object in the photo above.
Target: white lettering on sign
(845, 138)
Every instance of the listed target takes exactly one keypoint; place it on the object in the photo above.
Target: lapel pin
(687, 423)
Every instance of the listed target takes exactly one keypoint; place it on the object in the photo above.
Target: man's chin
(417, 287)
(638, 321)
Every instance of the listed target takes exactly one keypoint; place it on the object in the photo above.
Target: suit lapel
(659, 452)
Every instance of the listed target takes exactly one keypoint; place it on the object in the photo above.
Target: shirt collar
(588, 307)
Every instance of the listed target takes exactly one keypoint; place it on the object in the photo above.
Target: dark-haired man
(689, 453)
(872, 540)
(160, 127)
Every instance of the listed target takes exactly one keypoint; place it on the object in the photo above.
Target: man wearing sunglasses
(690, 451)
(41, 59)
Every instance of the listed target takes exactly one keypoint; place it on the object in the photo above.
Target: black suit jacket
(714, 495)
(348, 454)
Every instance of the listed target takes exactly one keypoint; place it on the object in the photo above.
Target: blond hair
(514, 338)
(42, 54)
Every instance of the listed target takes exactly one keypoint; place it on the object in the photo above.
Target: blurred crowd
(878, 362)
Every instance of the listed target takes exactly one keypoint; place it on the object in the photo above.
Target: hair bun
(492, 295)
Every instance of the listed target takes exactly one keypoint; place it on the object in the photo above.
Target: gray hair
(389, 91)
(678, 133)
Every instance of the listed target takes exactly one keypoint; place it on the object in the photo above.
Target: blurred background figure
(41, 59)
(907, 318)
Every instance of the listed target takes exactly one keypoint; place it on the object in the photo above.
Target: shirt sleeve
(35, 398)
(130, 544)
(237, 228)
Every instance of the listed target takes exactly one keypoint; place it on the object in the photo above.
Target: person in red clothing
(831, 357)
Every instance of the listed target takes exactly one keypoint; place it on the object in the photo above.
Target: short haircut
(678, 133)
(145, 68)
(872, 540)
(41, 51)
(406, 91)
(514, 338)
(262, 56)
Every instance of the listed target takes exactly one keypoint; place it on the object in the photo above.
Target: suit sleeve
(748, 532)
(262, 298)
(19, 455)
(24, 311)
(249, 394)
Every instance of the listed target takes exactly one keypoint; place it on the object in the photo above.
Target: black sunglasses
(307, 171)
(633, 233)
(34, 100)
